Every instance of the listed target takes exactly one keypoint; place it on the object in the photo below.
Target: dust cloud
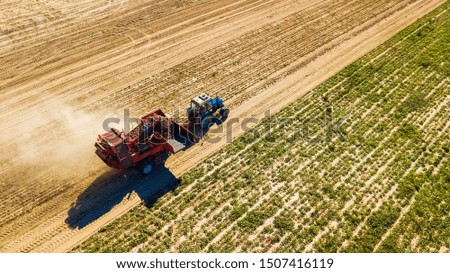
(53, 137)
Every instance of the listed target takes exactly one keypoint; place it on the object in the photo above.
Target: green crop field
(360, 164)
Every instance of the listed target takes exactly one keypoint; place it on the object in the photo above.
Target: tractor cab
(201, 105)
(203, 108)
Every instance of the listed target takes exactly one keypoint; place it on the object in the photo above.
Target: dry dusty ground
(67, 66)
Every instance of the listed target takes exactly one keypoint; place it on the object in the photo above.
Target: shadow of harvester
(111, 188)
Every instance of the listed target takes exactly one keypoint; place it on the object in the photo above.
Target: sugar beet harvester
(157, 136)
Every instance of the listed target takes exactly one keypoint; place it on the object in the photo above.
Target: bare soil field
(67, 66)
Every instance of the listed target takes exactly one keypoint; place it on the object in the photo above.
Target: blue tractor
(203, 111)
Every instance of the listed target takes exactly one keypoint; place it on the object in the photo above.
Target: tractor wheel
(224, 112)
(207, 122)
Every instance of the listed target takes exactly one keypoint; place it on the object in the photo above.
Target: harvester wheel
(147, 169)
